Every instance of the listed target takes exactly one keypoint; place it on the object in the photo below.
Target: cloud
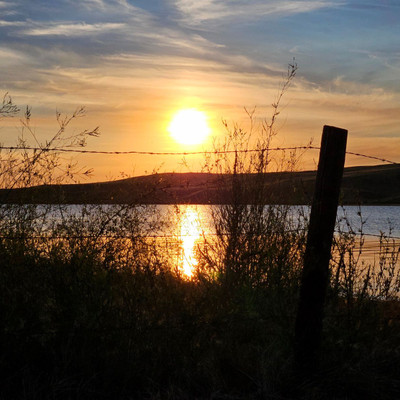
(123, 35)
(72, 29)
(112, 9)
(108, 5)
(195, 12)
(11, 23)
(7, 8)
(11, 57)
(93, 4)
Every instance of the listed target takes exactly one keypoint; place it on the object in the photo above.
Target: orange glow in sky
(160, 76)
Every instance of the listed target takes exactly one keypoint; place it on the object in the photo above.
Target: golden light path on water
(190, 232)
(194, 223)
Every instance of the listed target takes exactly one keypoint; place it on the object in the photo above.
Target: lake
(194, 222)
(184, 227)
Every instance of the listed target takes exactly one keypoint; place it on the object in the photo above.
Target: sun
(189, 127)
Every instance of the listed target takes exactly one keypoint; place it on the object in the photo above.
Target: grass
(73, 327)
(93, 316)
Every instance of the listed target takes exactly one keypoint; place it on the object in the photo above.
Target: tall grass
(92, 306)
(250, 229)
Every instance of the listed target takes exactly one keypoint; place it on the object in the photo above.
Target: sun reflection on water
(189, 233)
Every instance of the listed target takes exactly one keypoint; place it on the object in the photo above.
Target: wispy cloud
(11, 23)
(120, 9)
(72, 29)
(107, 5)
(196, 12)
(10, 56)
(7, 9)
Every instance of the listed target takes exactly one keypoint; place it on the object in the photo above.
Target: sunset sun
(189, 127)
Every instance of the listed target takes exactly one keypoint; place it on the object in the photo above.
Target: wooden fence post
(315, 276)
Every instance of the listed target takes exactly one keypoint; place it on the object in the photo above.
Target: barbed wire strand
(178, 236)
(156, 153)
(372, 157)
(185, 153)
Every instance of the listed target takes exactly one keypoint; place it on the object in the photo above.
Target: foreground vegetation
(96, 316)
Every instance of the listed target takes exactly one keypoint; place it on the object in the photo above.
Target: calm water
(189, 224)
(193, 222)
(371, 220)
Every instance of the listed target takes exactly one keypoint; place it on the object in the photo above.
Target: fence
(185, 153)
(372, 247)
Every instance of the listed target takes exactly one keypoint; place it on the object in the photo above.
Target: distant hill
(361, 185)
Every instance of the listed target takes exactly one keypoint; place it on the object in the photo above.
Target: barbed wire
(156, 153)
(186, 153)
(372, 157)
(177, 236)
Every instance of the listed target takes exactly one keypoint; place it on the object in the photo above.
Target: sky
(134, 64)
